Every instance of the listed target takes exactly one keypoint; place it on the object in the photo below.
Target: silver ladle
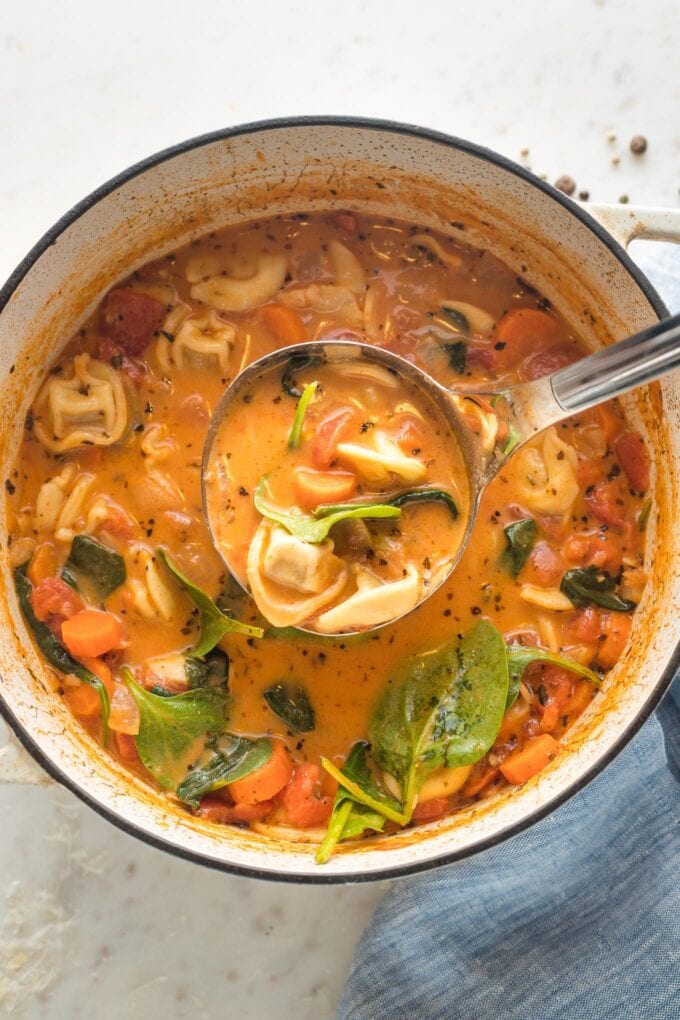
(528, 408)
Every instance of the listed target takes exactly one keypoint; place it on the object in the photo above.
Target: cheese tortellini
(205, 338)
(232, 293)
(64, 505)
(545, 475)
(373, 602)
(292, 580)
(90, 408)
(326, 299)
(384, 458)
(347, 270)
(148, 590)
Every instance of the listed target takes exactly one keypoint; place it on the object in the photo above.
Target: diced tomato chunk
(633, 456)
(601, 549)
(215, 809)
(544, 567)
(316, 487)
(117, 522)
(606, 503)
(519, 333)
(588, 473)
(429, 810)
(586, 625)
(330, 431)
(300, 799)
(549, 361)
(53, 597)
(616, 628)
(126, 747)
(346, 221)
(130, 319)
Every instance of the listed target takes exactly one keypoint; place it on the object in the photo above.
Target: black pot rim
(448, 141)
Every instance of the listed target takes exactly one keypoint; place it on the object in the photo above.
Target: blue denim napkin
(578, 918)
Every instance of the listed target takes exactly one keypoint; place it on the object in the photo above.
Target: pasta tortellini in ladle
(90, 408)
(292, 580)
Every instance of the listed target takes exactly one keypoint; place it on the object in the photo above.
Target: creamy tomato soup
(220, 696)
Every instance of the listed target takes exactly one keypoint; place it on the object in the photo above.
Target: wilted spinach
(54, 651)
(226, 766)
(173, 729)
(457, 354)
(101, 567)
(213, 623)
(443, 708)
(291, 704)
(212, 671)
(351, 816)
(311, 529)
(586, 585)
(520, 537)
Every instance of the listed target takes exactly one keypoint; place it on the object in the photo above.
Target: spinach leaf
(426, 496)
(300, 412)
(309, 529)
(54, 651)
(589, 585)
(457, 353)
(350, 816)
(244, 757)
(455, 318)
(212, 671)
(173, 729)
(521, 656)
(104, 568)
(443, 708)
(214, 624)
(297, 364)
(403, 499)
(521, 537)
(291, 705)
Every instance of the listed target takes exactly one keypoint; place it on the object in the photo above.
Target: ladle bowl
(526, 409)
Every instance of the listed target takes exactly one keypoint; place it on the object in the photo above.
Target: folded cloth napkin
(578, 918)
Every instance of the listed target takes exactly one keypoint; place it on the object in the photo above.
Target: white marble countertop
(92, 923)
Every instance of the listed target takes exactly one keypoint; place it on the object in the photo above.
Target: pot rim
(449, 141)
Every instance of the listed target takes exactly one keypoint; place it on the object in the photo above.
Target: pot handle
(17, 765)
(628, 223)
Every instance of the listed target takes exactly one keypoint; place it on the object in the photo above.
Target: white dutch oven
(575, 257)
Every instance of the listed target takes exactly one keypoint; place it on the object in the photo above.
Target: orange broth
(142, 492)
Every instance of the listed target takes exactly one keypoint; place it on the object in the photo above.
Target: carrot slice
(265, 782)
(533, 757)
(43, 564)
(91, 633)
(284, 323)
(521, 331)
(316, 487)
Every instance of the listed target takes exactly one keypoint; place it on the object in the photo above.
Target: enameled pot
(574, 255)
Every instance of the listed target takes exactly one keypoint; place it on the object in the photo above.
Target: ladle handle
(618, 368)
